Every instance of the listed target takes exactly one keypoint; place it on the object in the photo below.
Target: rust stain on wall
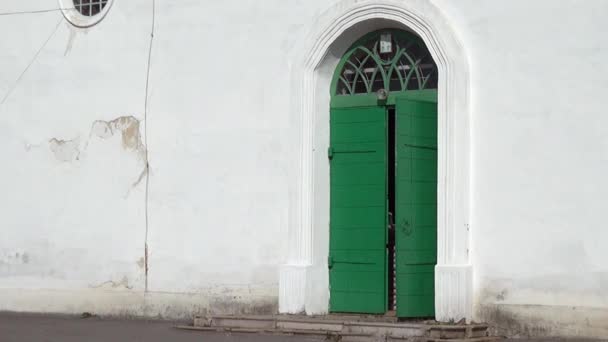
(127, 126)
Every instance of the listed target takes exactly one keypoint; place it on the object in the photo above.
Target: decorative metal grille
(389, 60)
(90, 8)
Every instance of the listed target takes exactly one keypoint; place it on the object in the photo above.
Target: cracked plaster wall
(222, 158)
(73, 205)
(73, 114)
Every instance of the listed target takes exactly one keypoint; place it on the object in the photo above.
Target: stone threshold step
(271, 331)
(346, 337)
(330, 319)
(343, 325)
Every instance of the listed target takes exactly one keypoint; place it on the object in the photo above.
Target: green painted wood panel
(416, 205)
(357, 251)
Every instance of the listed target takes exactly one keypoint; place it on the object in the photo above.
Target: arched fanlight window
(392, 60)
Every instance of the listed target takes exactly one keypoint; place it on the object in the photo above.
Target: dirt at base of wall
(517, 320)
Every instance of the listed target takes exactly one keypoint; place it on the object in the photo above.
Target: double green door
(359, 206)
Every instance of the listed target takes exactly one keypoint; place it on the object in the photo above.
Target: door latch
(407, 229)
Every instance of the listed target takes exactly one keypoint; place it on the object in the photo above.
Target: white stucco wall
(72, 226)
(79, 208)
(539, 154)
(221, 147)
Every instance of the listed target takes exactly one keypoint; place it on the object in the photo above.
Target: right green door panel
(357, 251)
(416, 205)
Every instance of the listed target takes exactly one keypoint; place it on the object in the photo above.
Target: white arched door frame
(453, 273)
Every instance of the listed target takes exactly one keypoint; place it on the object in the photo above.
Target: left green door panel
(357, 251)
(416, 205)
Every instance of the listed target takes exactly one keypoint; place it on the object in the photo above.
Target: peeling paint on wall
(129, 129)
(65, 150)
(128, 126)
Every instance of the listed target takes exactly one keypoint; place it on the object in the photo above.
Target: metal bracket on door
(420, 146)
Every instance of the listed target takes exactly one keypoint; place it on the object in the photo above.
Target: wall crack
(147, 166)
(18, 80)
(37, 11)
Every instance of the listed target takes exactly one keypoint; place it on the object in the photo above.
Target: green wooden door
(416, 204)
(357, 251)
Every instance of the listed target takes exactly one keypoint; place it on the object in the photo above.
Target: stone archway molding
(453, 273)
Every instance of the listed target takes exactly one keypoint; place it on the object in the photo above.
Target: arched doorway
(383, 177)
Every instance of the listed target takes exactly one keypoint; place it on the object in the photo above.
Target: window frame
(78, 19)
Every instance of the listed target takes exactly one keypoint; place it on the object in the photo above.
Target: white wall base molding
(317, 290)
(453, 292)
(292, 288)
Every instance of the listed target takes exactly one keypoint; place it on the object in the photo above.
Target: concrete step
(348, 327)
(245, 322)
(400, 330)
(458, 331)
(328, 326)
(473, 339)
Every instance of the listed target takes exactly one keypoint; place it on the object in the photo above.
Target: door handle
(406, 228)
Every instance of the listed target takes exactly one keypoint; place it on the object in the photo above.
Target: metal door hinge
(330, 152)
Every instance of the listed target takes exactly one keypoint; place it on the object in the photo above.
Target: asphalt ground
(19, 327)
